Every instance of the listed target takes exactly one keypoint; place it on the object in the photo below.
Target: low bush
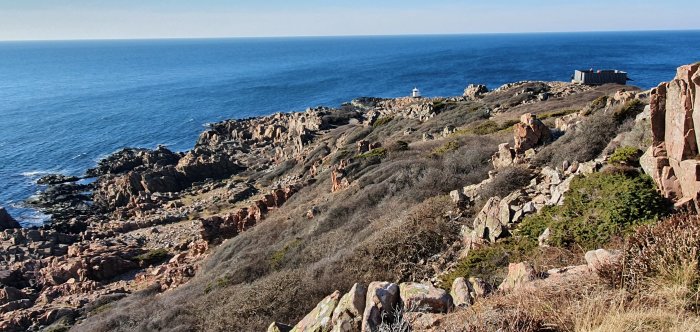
(378, 152)
(447, 147)
(597, 208)
(665, 253)
(382, 121)
(490, 127)
(506, 181)
(628, 110)
(397, 146)
(556, 114)
(490, 262)
(626, 155)
(152, 256)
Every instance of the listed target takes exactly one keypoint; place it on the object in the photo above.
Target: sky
(127, 19)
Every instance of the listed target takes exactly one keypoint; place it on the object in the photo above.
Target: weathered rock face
(347, 316)
(6, 221)
(504, 157)
(518, 274)
(475, 91)
(422, 297)
(382, 297)
(530, 132)
(319, 319)
(237, 221)
(460, 293)
(675, 119)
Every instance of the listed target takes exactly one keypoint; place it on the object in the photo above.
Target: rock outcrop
(6, 221)
(672, 160)
(475, 91)
(529, 133)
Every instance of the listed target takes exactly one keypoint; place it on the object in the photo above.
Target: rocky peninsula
(335, 218)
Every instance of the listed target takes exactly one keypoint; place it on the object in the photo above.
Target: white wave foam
(32, 174)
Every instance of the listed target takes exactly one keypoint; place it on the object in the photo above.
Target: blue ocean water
(66, 104)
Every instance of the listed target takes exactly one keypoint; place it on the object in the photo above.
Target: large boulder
(601, 258)
(6, 221)
(319, 319)
(347, 316)
(382, 299)
(425, 298)
(504, 157)
(529, 133)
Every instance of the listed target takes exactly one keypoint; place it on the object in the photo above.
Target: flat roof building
(599, 77)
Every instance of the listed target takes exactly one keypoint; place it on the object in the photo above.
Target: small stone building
(599, 77)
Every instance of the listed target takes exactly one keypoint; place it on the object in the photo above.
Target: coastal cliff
(347, 218)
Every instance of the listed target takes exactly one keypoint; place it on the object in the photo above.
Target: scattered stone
(518, 274)
(461, 295)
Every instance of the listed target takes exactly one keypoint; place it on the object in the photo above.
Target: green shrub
(486, 127)
(152, 256)
(382, 121)
(628, 110)
(441, 105)
(555, 114)
(277, 257)
(490, 262)
(597, 208)
(378, 152)
(490, 127)
(445, 148)
(597, 104)
(625, 155)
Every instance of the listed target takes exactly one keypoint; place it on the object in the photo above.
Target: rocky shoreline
(150, 217)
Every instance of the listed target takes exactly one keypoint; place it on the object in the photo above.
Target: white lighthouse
(415, 93)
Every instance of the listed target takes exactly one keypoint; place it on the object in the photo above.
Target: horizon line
(340, 35)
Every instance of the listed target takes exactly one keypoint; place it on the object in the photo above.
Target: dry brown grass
(584, 305)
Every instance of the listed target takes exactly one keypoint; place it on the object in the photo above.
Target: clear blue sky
(98, 19)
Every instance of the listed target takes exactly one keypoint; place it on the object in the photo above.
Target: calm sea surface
(64, 105)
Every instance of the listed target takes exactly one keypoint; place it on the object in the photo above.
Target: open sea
(66, 104)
